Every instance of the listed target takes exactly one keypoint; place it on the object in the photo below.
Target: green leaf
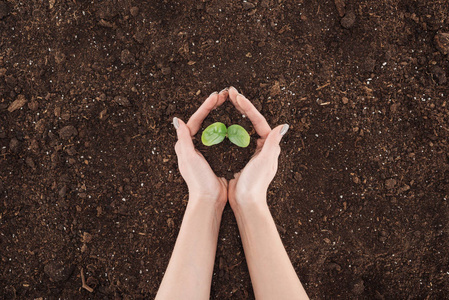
(238, 135)
(214, 134)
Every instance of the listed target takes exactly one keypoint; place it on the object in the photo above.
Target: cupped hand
(250, 185)
(204, 186)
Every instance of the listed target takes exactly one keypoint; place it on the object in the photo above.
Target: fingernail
(213, 94)
(284, 129)
(224, 90)
(176, 123)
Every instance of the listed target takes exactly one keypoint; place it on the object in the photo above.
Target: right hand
(204, 186)
(250, 185)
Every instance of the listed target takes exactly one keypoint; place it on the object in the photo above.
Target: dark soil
(88, 174)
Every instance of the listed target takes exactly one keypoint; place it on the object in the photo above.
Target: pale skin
(189, 272)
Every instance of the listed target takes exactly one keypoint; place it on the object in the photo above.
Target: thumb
(185, 143)
(271, 145)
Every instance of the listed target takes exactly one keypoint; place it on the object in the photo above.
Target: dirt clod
(5, 9)
(127, 57)
(348, 20)
(67, 132)
(275, 89)
(107, 10)
(134, 11)
(122, 101)
(33, 105)
(18, 103)
(390, 183)
(139, 36)
(442, 42)
(62, 192)
(166, 70)
(59, 57)
(394, 107)
(439, 74)
(404, 188)
(341, 7)
(14, 144)
(29, 161)
(358, 288)
(40, 126)
(58, 271)
(265, 3)
(334, 266)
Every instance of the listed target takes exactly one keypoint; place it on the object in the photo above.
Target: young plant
(216, 133)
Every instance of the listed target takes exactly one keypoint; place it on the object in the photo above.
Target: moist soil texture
(89, 186)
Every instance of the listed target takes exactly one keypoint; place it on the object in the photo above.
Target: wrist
(249, 203)
(203, 216)
(205, 205)
(249, 213)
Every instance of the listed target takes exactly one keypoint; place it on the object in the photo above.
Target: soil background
(88, 174)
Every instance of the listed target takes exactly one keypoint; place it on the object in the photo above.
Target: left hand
(204, 186)
(250, 185)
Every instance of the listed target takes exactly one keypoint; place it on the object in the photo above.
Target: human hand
(204, 186)
(250, 185)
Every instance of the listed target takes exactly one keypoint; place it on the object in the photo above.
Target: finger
(185, 143)
(223, 181)
(271, 145)
(259, 121)
(222, 96)
(198, 117)
(233, 97)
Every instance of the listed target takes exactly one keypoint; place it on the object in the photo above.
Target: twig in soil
(83, 281)
(323, 86)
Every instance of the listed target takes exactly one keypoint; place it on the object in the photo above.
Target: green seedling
(216, 133)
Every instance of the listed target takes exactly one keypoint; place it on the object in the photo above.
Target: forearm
(189, 272)
(272, 274)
